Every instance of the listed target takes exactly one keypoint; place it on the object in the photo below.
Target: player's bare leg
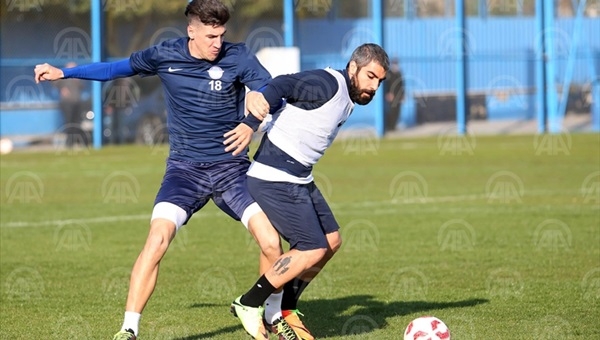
(293, 289)
(267, 238)
(334, 242)
(145, 271)
(248, 307)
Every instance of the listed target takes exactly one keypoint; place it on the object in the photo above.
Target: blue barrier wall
(500, 66)
(500, 56)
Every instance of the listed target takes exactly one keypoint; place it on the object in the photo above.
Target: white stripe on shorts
(250, 211)
(169, 211)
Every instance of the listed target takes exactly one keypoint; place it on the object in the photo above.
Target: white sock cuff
(250, 211)
(273, 307)
(132, 321)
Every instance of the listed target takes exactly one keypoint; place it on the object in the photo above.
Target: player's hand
(47, 72)
(257, 105)
(238, 139)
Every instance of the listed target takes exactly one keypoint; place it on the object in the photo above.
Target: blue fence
(500, 61)
(500, 65)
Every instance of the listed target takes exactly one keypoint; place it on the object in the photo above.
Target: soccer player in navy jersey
(280, 178)
(204, 80)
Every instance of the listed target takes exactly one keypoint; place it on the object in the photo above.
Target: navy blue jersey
(204, 99)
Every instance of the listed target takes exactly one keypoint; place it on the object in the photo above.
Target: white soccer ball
(6, 146)
(427, 328)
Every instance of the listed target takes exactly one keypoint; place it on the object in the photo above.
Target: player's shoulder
(235, 49)
(174, 43)
(318, 75)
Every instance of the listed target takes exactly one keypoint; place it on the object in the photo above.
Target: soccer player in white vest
(280, 178)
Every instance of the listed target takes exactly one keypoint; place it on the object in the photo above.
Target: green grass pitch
(497, 236)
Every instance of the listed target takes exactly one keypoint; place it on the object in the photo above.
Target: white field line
(339, 208)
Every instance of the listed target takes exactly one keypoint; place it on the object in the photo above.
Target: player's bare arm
(47, 72)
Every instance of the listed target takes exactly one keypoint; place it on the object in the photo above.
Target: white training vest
(305, 134)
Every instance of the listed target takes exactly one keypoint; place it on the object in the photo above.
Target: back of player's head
(209, 12)
(366, 53)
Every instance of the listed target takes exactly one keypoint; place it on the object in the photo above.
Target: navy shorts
(299, 212)
(190, 186)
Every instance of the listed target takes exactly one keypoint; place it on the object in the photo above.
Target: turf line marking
(345, 207)
(416, 200)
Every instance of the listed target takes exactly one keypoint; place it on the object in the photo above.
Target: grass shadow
(360, 314)
(351, 315)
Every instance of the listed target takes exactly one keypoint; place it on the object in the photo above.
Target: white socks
(132, 321)
(273, 307)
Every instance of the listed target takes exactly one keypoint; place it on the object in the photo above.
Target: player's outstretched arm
(95, 71)
(47, 72)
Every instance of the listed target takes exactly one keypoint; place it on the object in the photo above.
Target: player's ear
(352, 67)
(190, 31)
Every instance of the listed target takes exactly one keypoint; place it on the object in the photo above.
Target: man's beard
(356, 93)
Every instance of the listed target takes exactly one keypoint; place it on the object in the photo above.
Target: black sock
(258, 294)
(291, 293)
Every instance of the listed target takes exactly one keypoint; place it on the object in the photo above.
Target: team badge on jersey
(215, 72)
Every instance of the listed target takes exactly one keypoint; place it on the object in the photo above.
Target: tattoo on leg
(282, 265)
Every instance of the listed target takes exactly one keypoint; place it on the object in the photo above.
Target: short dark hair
(366, 53)
(209, 12)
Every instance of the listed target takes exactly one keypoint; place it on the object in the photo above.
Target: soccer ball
(427, 328)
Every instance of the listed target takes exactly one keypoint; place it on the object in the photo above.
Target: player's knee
(159, 237)
(335, 242)
(271, 247)
(314, 256)
(265, 235)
